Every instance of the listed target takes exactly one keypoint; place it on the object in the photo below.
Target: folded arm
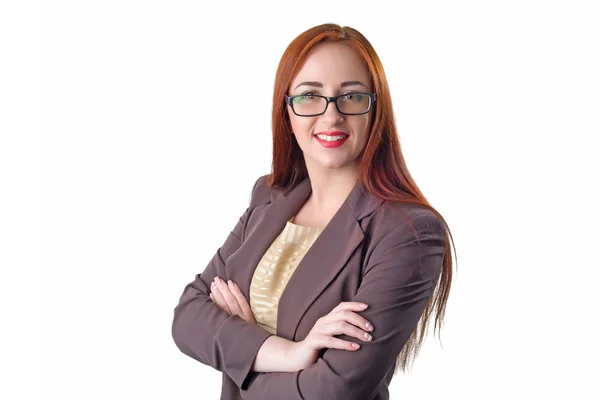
(208, 334)
(398, 282)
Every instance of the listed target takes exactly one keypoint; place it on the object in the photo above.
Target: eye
(353, 97)
(309, 94)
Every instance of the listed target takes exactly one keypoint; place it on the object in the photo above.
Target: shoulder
(261, 192)
(401, 223)
(401, 234)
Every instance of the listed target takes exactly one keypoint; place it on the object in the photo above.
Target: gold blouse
(275, 269)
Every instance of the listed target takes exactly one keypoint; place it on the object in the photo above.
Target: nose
(331, 113)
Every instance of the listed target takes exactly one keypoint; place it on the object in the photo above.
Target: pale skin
(331, 69)
(281, 355)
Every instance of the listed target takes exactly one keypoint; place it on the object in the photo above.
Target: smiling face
(332, 69)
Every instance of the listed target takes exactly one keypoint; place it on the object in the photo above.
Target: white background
(132, 133)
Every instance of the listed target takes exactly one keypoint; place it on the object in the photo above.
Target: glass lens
(308, 105)
(354, 103)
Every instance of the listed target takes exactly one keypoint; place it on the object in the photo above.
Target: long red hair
(383, 171)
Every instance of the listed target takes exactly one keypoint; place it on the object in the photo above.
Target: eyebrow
(319, 84)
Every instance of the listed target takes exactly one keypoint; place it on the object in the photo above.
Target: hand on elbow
(230, 298)
(341, 320)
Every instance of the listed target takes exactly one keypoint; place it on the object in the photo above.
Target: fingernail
(363, 305)
(229, 283)
(356, 345)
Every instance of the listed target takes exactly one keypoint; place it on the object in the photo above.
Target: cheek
(293, 119)
(300, 125)
(361, 128)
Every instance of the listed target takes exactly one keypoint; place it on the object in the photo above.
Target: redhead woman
(326, 285)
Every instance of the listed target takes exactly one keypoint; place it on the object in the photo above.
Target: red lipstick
(332, 143)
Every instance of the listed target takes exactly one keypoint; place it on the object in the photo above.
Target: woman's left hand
(230, 298)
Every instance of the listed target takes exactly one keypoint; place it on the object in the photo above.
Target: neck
(330, 187)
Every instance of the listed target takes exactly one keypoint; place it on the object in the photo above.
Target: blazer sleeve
(205, 332)
(398, 281)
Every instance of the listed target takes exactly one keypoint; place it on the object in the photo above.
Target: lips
(331, 133)
(331, 144)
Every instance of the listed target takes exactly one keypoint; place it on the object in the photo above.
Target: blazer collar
(361, 202)
(321, 263)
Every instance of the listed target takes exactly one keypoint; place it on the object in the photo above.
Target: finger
(351, 317)
(241, 299)
(350, 305)
(219, 298)
(343, 327)
(357, 320)
(232, 302)
(323, 341)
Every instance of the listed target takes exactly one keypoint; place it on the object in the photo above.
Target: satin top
(275, 269)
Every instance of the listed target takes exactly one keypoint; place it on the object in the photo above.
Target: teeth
(328, 138)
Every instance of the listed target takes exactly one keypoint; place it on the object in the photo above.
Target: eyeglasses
(347, 104)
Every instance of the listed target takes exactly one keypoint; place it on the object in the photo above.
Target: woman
(318, 291)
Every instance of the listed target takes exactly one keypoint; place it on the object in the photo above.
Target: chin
(333, 164)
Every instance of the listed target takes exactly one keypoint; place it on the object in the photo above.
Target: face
(331, 69)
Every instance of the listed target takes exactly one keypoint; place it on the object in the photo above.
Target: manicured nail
(369, 326)
(356, 345)
(230, 283)
(363, 305)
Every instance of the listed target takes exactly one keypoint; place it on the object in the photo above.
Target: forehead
(332, 63)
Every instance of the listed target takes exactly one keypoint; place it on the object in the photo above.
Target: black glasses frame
(289, 101)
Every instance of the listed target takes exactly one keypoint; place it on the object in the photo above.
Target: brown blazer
(366, 253)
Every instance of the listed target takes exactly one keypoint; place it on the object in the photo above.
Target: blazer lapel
(319, 266)
(268, 220)
(321, 263)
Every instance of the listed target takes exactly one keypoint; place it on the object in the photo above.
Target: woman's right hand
(343, 319)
